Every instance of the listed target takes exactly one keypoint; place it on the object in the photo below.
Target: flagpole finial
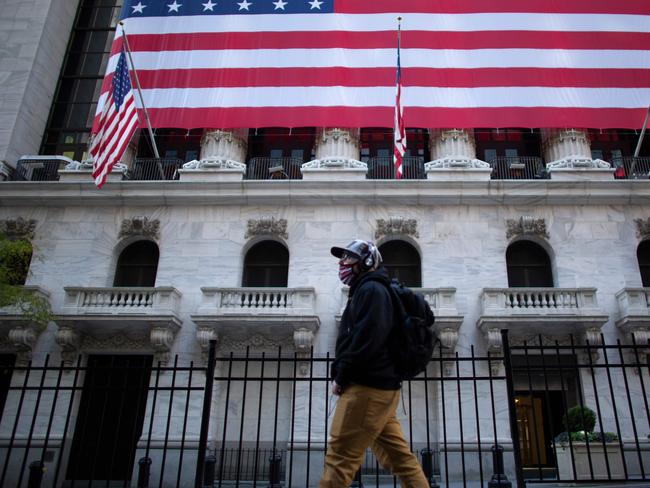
(399, 19)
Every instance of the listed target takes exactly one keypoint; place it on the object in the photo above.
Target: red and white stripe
(497, 63)
(116, 129)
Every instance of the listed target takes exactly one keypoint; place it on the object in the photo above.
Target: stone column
(337, 155)
(567, 153)
(223, 154)
(453, 155)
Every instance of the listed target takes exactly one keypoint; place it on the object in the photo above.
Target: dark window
(494, 143)
(137, 265)
(643, 255)
(81, 78)
(528, 265)
(402, 261)
(266, 264)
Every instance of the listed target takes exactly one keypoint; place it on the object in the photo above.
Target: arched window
(528, 265)
(137, 265)
(266, 264)
(643, 255)
(402, 261)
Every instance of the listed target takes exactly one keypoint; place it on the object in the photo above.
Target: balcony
(274, 169)
(518, 168)
(634, 319)
(39, 168)
(631, 168)
(260, 316)
(131, 318)
(16, 330)
(382, 168)
(528, 312)
(152, 169)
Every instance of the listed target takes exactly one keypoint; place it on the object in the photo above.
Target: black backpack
(412, 339)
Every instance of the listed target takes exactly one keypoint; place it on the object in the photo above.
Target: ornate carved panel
(526, 226)
(140, 226)
(18, 228)
(397, 226)
(265, 227)
(642, 228)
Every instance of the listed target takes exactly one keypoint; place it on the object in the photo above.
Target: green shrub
(579, 419)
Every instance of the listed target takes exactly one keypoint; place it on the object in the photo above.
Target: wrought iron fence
(631, 167)
(382, 168)
(518, 168)
(151, 169)
(274, 169)
(263, 418)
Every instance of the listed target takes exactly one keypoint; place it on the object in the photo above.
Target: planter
(598, 461)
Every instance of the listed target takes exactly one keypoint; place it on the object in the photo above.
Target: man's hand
(336, 388)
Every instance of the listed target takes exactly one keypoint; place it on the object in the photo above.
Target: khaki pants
(366, 417)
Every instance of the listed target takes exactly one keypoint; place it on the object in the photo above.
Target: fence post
(512, 409)
(427, 467)
(205, 417)
(36, 470)
(499, 478)
(144, 469)
(275, 466)
(209, 470)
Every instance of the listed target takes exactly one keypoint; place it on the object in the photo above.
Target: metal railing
(271, 413)
(518, 168)
(274, 169)
(151, 169)
(382, 168)
(631, 167)
(39, 168)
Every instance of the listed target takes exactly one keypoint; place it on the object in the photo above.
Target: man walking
(365, 376)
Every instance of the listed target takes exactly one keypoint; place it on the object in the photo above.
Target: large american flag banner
(465, 63)
(116, 123)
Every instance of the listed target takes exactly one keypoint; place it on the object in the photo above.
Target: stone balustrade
(111, 300)
(260, 315)
(531, 311)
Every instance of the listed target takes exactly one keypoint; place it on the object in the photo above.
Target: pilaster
(568, 156)
(453, 156)
(223, 153)
(337, 156)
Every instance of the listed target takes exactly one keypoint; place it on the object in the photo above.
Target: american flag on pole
(465, 63)
(115, 123)
(399, 147)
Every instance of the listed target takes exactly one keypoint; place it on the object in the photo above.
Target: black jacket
(362, 345)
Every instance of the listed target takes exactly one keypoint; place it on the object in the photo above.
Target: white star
(174, 6)
(244, 5)
(279, 5)
(315, 4)
(138, 8)
(209, 6)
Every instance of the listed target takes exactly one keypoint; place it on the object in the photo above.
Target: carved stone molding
(642, 228)
(578, 162)
(265, 227)
(526, 226)
(68, 340)
(303, 339)
(162, 339)
(448, 340)
(397, 226)
(140, 226)
(337, 142)
(18, 228)
(255, 342)
(113, 342)
(214, 164)
(203, 336)
(23, 338)
(334, 162)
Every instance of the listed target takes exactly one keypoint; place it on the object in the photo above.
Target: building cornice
(310, 193)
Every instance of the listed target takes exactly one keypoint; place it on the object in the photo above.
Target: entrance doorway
(7, 362)
(111, 414)
(544, 390)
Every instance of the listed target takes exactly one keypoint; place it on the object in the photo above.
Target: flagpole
(137, 83)
(399, 136)
(638, 145)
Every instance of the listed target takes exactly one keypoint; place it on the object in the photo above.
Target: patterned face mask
(346, 273)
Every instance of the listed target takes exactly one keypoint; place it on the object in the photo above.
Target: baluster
(267, 298)
(574, 300)
(84, 299)
(149, 299)
(510, 300)
(536, 300)
(288, 299)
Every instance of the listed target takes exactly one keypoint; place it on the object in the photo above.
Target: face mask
(346, 273)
